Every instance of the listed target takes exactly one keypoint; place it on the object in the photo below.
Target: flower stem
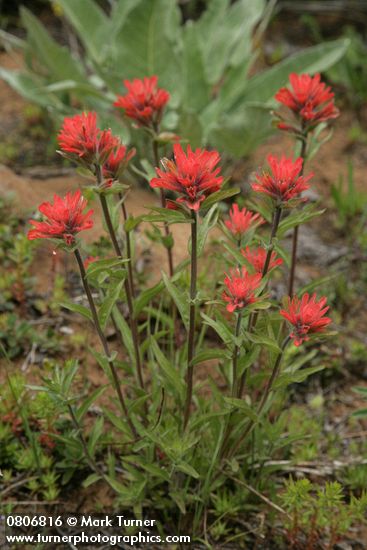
(191, 334)
(292, 271)
(163, 204)
(235, 355)
(92, 464)
(265, 396)
(103, 340)
(128, 249)
(228, 428)
(253, 318)
(128, 289)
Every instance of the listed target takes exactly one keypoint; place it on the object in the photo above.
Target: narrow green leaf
(180, 299)
(77, 308)
(108, 303)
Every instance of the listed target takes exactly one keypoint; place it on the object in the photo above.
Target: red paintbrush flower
(193, 175)
(257, 257)
(309, 98)
(241, 221)
(306, 316)
(116, 163)
(65, 219)
(144, 101)
(284, 181)
(81, 139)
(241, 287)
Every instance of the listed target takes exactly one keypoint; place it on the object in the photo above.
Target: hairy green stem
(92, 464)
(103, 339)
(265, 396)
(163, 204)
(253, 317)
(128, 249)
(292, 270)
(192, 314)
(128, 290)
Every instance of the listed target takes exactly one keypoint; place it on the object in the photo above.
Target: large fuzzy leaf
(264, 85)
(146, 44)
(58, 59)
(91, 24)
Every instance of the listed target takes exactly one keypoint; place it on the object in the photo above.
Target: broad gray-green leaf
(263, 86)
(144, 45)
(91, 24)
(56, 58)
(195, 89)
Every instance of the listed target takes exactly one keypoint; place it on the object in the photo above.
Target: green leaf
(243, 406)
(125, 332)
(147, 44)
(180, 298)
(187, 469)
(287, 378)
(195, 89)
(77, 308)
(262, 340)
(264, 85)
(298, 218)
(109, 302)
(220, 328)
(210, 354)
(99, 266)
(220, 196)
(32, 88)
(167, 216)
(95, 434)
(225, 32)
(88, 402)
(132, 222)
(146, 296)
(92, 478)
(56, 58)
(91, 24)
(171, 374)
(209, 221)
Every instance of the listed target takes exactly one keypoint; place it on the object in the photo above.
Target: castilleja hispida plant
(191, 387)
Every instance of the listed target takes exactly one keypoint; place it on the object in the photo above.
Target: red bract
(65, 219)
(144, 101)
(257, 257)
(308, 98)
(241, 221)
(306, 315)
(241, 287)
(81, 139)
(284, 181)
(193, 175)
(116, 163)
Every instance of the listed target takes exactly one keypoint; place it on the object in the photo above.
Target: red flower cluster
(193, 175)
(65, 219)
(144, 101)
(241, 221)
(116, 163)
(306, 315)
(82, 140)
(309, 98)
(257, 257)
(241, 288)
(284, 182)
